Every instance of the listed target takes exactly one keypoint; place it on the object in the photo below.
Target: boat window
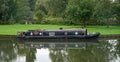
(76, 33)
(31, 33)
(40, 33)
(66, 33)
(51, 33)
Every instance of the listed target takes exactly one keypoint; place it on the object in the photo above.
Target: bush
(39, 16)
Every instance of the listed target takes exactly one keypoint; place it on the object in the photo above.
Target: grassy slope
(12, 29)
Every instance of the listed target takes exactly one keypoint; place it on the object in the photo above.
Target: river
(60, 50)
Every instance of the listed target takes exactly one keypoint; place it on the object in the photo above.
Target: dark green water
(60, 50)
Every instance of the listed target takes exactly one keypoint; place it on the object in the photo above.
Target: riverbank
(110, 36)
(13, 29)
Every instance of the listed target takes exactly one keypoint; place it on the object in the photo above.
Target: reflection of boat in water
(55, 34)
(47, 44)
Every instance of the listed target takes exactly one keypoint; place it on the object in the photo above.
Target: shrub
(39, 16)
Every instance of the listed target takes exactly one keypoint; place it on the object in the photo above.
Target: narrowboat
(57, 34)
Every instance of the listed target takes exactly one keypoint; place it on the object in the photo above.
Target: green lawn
(13, 29)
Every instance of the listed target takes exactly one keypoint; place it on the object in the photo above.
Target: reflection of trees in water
(106, 51)
(92, 53)
(118, 48)
(7, 51)
(28, 52)
(30, 55)
(112, 48)
(58, 55)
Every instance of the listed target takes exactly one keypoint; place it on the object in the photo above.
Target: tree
(103, 11)
(79, 11)
(40, 6)
(11, 20)
(7, 8)
(116, 9)
(39, 15)
(23, 11)
(32, 9)
(32, 4)
(56, 7)
(19, 9)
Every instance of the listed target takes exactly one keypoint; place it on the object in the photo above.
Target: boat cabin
(78, 33)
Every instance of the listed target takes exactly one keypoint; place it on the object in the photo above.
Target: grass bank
(13, 29)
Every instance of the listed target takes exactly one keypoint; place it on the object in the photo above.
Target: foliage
(7, 8)
(23, 10)
(40, 16)
(32, 9)
(73, 12)
(11, 20)
(116, 10)
(79, 10)
(56, 7)
(19, 9)
(40, 5)
(103, 11)
(32, 4)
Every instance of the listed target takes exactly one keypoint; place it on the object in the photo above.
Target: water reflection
(60, 50)
(56, 43)
(7, 51)
(54, 49)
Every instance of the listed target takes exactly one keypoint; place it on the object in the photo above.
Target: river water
(60, 50)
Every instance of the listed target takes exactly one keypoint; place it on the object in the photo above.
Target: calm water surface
(60, 50)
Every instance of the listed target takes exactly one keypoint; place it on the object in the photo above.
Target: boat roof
(61, 30)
